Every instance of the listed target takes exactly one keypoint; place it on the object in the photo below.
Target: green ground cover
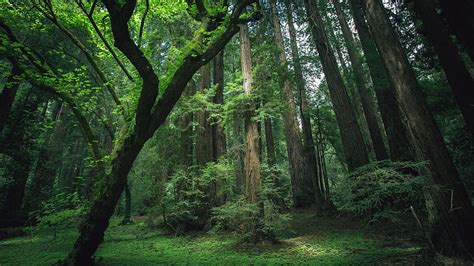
(312, 240)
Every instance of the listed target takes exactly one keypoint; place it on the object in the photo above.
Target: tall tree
(309, 147)
(151, 111)
(301, 178)
(252, 149)
(395, 129)
(365, 94)
(204, 146)
(454, 230)
(217, 196)
(461, 81)
(354, 148)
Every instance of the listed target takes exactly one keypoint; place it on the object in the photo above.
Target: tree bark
(151, 112)
(219, 143)
(309, 150)
(397, 136)
(301, 180)
(456, 72)
(252, 149)
(354, 148)
(204, 145)
(365, 94)
(217, 195)
(454, 231)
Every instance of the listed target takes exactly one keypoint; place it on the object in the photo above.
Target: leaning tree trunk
(151, 112)
(354, 148)
(301, 178)
(458, 75)
(397, 133)
(308, 141)
(367, 100)
(454, 231)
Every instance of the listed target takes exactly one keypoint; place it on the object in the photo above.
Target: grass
(312, 240)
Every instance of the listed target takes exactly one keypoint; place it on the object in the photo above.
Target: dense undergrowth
(311, 240)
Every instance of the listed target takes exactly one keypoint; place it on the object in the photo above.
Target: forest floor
(311, 240)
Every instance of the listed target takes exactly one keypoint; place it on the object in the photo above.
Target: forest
(236, 132)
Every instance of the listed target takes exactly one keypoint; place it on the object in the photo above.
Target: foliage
(381, 190)
(63, 210)
(184, 203)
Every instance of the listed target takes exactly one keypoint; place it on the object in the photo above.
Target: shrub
(381, 190)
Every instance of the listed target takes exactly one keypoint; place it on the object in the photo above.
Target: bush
(381, 191)
(63, 210)
(184, 204)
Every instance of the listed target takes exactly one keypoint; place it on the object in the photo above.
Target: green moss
(314, 241)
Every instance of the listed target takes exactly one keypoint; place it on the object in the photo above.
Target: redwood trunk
(252, 149)
(301, 180)
(458, 75)
(354, 149)
(308, 141)
(365, 94)
(395, 129)
(454, 231)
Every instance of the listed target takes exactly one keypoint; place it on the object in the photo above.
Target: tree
(396, 130)
(456, 72)
(453, 232)
(301, 176)
(151, 111)
(368, 104)
(252, 148)
(354, 148)
(309, 148)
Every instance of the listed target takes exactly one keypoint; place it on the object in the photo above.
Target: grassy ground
(312, 240)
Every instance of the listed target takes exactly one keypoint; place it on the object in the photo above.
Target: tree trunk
(251, 160)
(458, 75)
(219, 143)
(128, 205)
(454, 231)
(368, 104)
(354, 148)
(309, 150)
(301, 180)
(8, 94)
(204, 137)
(217, 197)
(460, 19)
(397, 136)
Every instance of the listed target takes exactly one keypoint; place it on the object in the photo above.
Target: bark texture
(301, 180)
(252, 149)
(309, 150)
(368, 104)
(453, 233)
(354, 148)
(458, 75)
(395, 129)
